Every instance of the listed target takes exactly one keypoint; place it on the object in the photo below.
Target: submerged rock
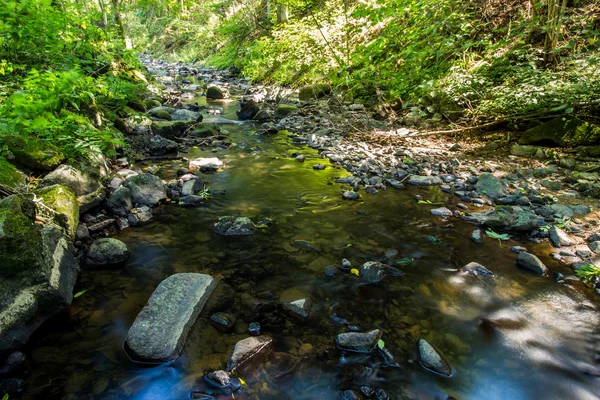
(506, 219)
(247, 349)
(224, 322)
(234, 226)
(223, 380)
(431, 360)
(299, 308)
(476, 269)
(532, 263)
(358, 342)
(161, 328)
(420, 180)
(350, 195)
(107, 253)
(374, 271)
(351, 395)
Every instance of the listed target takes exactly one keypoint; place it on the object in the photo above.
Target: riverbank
(398, 207)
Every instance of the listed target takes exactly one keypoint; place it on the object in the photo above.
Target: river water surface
(544, 347)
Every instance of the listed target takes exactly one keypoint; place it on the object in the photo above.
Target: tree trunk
(104, 15)
(556, 10)
(282, 13)
(120, 25)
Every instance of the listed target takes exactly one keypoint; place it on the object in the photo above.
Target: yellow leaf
(354, 271)
(243, 382)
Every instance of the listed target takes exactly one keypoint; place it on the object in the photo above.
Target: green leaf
(499, 236)
(380, 344)
(569, 110)
(76, 295)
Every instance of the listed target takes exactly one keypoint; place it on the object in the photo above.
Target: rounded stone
(107, 253)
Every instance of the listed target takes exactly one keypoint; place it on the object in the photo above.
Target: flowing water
(544, 347)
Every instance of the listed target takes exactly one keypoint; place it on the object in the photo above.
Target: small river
(547, 337)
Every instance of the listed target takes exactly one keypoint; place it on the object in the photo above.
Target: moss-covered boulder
(314, 92)
(38, 272)
(137, 105)
(505, 218)
(63, 201)
(162, 114)
(171, 129)
(284, 110)
(84, 181)
(206, 129)
(107, 253)
(34, 153)
(151, 103)
(11, 177)
(564, 132)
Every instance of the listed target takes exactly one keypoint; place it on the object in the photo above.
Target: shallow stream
(546, 339)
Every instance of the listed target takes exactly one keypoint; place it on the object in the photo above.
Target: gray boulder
(234, 226)
(205, 164)
(374, 271)
(249, 348)
(146, 189)
(559, 238)
(161, 328)
(86, 184)
(490, 185)
(186, 115)
(474, 268)
(120, 201)
(532, 263)
(420, 180)
(107, 253)
(192, 186)
(37, 273)
(158, 145)
(298, 308)
(216, 93)
(441, 212)
(431, 360)
(358, 342)
(506, 219)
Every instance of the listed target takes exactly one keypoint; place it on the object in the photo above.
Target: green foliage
(78, 294)
(589, 273)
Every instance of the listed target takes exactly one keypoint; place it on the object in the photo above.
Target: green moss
(10, 176)
(162, 114)
(61, 199)
(137, 105)
(563, 131)
(34, 153)
(170, 129)
(283, 110)
(152, 103)
(314, 92)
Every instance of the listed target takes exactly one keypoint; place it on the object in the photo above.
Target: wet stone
(223, 380)
(319, 167)
(247, 349)
(346, 264)
(298, 308)
(234, 226)
(161, 328)
(374, 271)
(518, 249)
(431, 360)
(358, 342)
(532, 263)
(254, 328)
(351, 395)
(330, 271)
(224, 322)
(559, 238)
(350, 195)
(419, 180)
(367, 390)
(107, 253)
(477, 236)
(474, 268)
(441, 212)
(205, 164)
(595, 247)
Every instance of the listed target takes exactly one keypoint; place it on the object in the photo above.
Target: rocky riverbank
(506, 190)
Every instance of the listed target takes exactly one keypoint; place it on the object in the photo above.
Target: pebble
(477, 236)
(346, 264)
(319, 167)
(350, 195)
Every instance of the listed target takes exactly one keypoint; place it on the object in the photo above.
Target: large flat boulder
(146, 189)
(86, 184)
(161, 328)
(249, 348)
(37, 273)
(234, 226)
(505, 218)
(564, 132)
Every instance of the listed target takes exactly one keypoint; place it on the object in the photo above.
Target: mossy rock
(19, 236)
(313, 92)
(61, 199)
(137, 105)
(206, 129)
(152, 103)
(11, 177)
(564, 132)
(126, 112)
(171, 129)
(34, 153)
(162, 114)
(284, 110)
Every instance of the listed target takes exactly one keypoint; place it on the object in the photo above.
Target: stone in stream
(420, 180)
(374, 271)
(441, 212)
(318, 167)
(247, 349)
(559, 238)
(358, 342)
(158, 145)
(350, 195)
(161, 328)
(107, 253)
(192, 186)
(298, 308)
(477, 236)
(595, 247)
(146, 189)
(86, 183)
(216, 93)
(234, 226)
(120, 201)
(532, 263)
(351, 395)
(476, 269)
(191, 200)
(223, 380)
(205, 164)
(490, 185)
(223, 321)
(431, 360)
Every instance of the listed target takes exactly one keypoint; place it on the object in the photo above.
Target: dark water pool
(548, 332)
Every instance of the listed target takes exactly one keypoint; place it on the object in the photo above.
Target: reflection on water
(541, 345)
